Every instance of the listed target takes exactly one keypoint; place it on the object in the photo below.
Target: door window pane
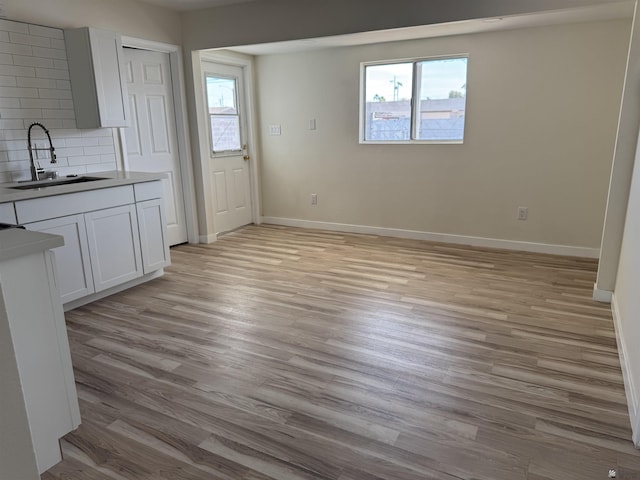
(225, 133)
(222, 103)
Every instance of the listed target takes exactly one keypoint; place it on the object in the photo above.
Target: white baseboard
(603, 296)
(629, 387)
(208, 238)
(440, 237)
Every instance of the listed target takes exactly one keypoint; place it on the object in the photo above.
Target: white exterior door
(151, 139)
(229, 159)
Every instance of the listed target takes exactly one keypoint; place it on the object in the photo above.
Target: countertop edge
(111, 179)
(16, 242)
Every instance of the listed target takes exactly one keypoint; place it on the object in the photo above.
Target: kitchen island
(113, 223)
(38, 394)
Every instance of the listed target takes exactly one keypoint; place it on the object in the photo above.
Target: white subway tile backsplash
(49, 53)
(59, 44)
(100, 150)
(100, 132)
(13, 48)
(50, 124)
(35, 87)
(10, 124)
(29, 40)
(71, 152)
(7, 81)
(52, 73)
(19, 155)
(83, 142)
(9, 103)
(102, 167)
(18, 92)
(36, 82)
(9, 26)
(29, 61)
(20, 113)
(68, 114)
(84, 160)
(40, 31)
(19, 71)
(39, 103)
(54, 93)
(63, 84)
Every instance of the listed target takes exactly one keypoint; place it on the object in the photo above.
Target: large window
(421, 101)
(224, 117)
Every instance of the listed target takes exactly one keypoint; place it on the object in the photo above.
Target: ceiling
(609, 11)
(184, 5)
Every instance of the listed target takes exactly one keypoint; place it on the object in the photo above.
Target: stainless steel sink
(49, 182)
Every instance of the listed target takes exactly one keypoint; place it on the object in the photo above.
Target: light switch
(275, 130)
(312, 124)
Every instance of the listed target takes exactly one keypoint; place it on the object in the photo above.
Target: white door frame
(246, 64)
(182, 126)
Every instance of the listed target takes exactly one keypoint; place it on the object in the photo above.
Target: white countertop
(16, 242)
(111, 179)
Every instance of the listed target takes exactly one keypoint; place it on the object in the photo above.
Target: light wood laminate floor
(290, 354)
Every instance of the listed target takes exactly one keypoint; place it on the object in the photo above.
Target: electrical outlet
(314, 199)
(523, 213)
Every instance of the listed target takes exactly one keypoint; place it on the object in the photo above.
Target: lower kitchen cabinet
(111, 236)
(114, 246)
(75, 279)
(153, 234)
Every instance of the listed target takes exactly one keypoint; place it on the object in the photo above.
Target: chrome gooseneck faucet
(36, 171)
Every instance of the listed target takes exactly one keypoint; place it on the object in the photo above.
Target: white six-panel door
(151, 139)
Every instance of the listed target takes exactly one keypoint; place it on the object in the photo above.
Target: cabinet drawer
(43, 208)
(148, 190)
(7, 213)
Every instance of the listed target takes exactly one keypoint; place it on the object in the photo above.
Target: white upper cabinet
(97, 77)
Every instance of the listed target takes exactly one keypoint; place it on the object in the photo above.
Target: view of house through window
(440, 89)
(223, 113)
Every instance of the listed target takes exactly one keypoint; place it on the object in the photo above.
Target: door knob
(246, 158)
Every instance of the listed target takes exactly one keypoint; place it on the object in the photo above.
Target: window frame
(414, 113)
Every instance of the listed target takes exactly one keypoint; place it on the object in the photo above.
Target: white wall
(541, 123)
(35, 87)
(277, 20)
(627, 302)
(621, 169)
(127, 17)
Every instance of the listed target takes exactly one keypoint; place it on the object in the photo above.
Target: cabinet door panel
(73, 264)
(7, 213)
(114, 245)
(153, 234)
